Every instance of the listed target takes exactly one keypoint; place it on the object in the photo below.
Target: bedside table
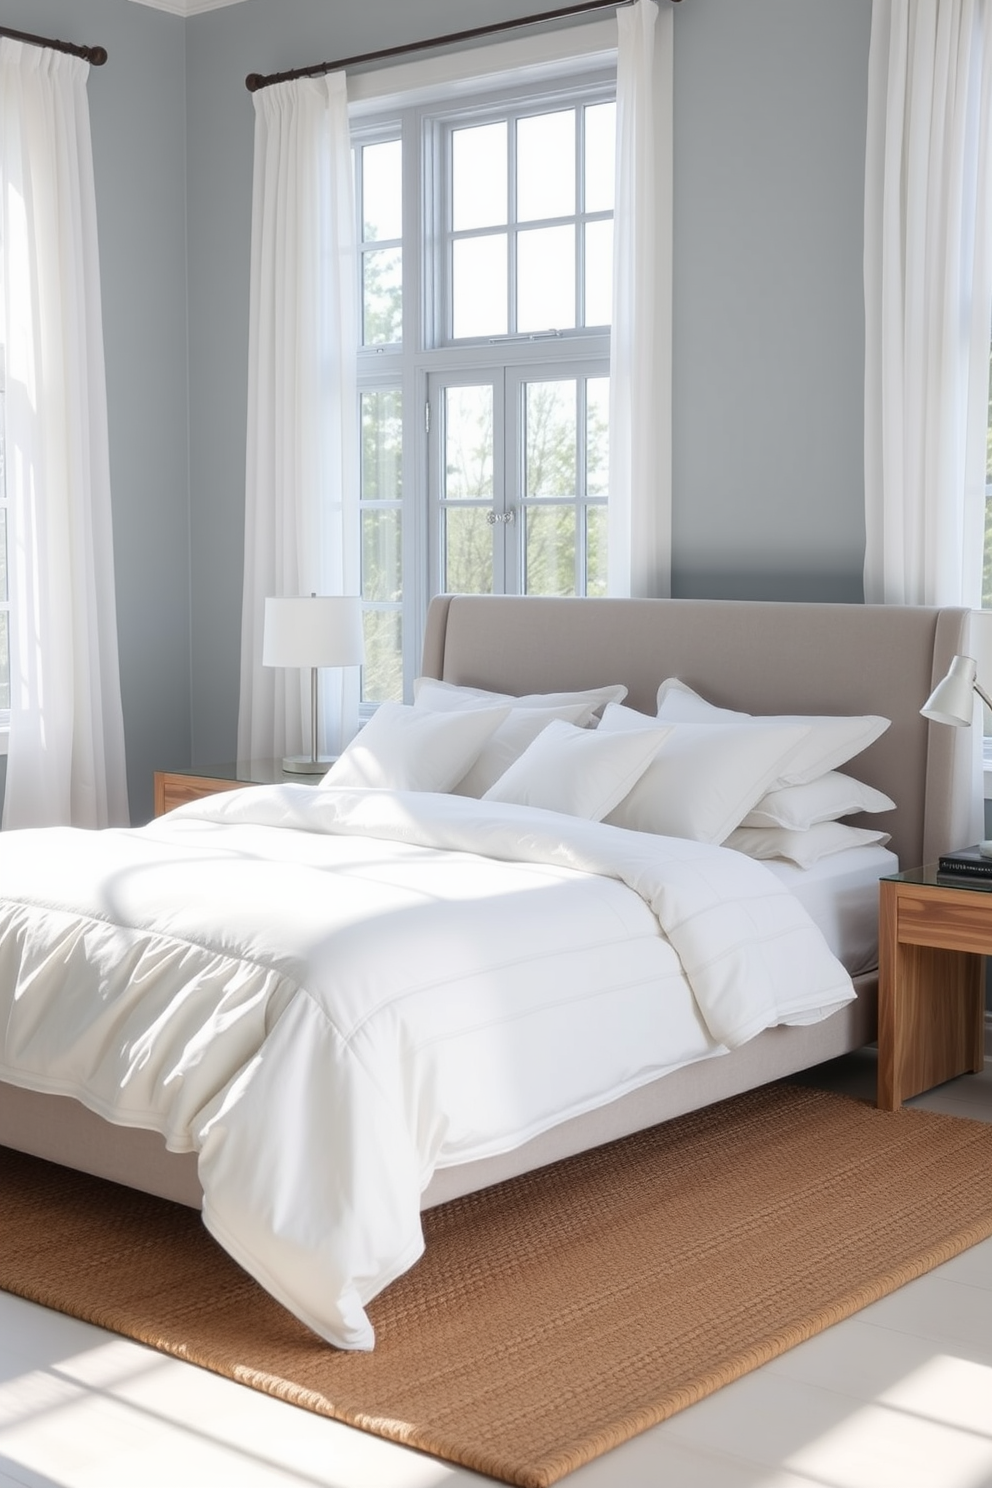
(176, 787)
(931, 941)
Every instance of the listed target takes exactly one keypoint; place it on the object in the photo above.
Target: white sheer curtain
(928, 293)
(640, 507)
(301, 517)
(65, 762)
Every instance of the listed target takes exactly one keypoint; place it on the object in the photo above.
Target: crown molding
(186, 7)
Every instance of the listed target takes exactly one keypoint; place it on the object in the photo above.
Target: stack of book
(970, 865)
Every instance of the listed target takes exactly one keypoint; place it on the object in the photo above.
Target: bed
(761, 659)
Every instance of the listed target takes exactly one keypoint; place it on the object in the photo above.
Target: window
(987, 565)
(485, 237)
(4, 586)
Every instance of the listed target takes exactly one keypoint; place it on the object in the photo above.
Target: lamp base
(305, 764)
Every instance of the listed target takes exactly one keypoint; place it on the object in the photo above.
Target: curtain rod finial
(98, 56)
(254, 81)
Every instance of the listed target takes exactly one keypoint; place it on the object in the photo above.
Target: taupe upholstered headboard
(756, 656)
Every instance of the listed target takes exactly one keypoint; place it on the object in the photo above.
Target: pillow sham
(405, 748)
(799, 807)
(581, 772)
(802, 848)
(831, 740)
(705, 779)
(428, 692)
(508, 743)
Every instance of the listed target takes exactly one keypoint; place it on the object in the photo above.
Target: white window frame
(414, 102)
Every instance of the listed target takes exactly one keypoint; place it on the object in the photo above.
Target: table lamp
(953, 701)
(312, 631)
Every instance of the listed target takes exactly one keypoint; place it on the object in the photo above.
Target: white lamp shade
(953, 700)
(313, 631)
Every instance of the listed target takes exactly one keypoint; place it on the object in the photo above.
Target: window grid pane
(381, 485)
(378, 170)
(551, 271)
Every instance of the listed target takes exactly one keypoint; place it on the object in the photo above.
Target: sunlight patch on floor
(937, 1418)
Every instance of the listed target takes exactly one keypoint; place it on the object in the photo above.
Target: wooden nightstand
(931, 941)
(176, 787)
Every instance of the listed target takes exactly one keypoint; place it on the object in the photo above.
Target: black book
(967, 862)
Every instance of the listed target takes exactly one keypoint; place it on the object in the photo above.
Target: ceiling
(186, 7)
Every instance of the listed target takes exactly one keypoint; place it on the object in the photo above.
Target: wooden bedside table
(931, 941)
(176, 787)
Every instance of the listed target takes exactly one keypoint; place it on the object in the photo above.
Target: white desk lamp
(953, 701)
(315, 631)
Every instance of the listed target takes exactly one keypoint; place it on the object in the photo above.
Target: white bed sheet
(840, 894)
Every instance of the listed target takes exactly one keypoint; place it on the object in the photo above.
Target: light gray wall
(770, 109)
(138, 126)
(770, 118)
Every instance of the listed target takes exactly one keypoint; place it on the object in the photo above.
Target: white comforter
(327, 994)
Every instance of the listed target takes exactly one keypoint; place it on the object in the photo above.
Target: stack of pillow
(766, 786)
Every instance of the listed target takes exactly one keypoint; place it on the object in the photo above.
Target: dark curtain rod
(256, 80)
(96, 56)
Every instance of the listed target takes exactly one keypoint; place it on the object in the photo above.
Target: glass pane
(546, 166)
(382, 296)
(468, 551)
(4, 596)
(599, 274)
(382, 443)
(596, 550)
(478, 288)
(549, 560)
(382, 557)
(382, 190)
(601, 121)
(546, 279)
(468, 443)
(597, 436)
(382, 674)
(550, 435)
(478, 176)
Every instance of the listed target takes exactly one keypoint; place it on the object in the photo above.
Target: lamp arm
(983, 695)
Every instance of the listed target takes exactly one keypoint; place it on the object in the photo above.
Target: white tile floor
(899, 1396)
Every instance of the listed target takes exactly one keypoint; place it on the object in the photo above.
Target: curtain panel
(928, 298)
(302, 466)
(640, 506)
(65, 763)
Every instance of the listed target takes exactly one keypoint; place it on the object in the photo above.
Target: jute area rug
(561, 1313)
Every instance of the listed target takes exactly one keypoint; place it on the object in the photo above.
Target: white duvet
(328, 994)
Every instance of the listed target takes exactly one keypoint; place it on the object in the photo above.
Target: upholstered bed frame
(758, 657)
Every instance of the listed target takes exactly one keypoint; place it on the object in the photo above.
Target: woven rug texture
(559, 1314)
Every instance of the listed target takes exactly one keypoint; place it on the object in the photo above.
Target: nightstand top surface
(252, 772)
(928, 875)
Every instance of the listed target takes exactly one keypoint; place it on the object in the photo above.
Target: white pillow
(830, 743)
(581, 772)
(509, 742)
(404, 748)
(430, 693)
(833, 795)
(705, 779)
(801, 848)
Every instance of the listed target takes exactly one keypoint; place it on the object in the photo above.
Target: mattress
(840, 894)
